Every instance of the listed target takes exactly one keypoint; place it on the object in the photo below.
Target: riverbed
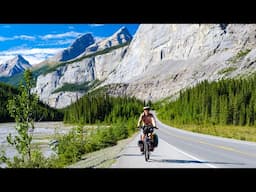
(42, 134)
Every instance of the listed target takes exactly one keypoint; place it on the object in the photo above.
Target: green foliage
(84, 87)
(21, 108)
(117, 115)
(42, 112)
(226, 102)
(6, 93)
(227, 70)
(71, 147)
(240, 55)
(13, 80)
(37, 161)
(103, 108)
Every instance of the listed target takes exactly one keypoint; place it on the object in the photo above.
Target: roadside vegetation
(225, 108)
(111, 119)
(41, 113)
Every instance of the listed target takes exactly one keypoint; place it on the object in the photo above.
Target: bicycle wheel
(146, 151)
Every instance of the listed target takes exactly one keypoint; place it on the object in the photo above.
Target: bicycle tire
(146, 151)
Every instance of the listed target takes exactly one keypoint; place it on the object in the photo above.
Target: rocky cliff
(161, 60)
(84, 69)
(165, 58)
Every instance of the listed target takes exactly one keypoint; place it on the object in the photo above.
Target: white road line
(191, 156)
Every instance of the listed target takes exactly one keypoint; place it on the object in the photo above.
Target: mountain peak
(20, 59)
(123, 29)
(83, 39)
(77, 47)
(121, 36)
(13, 66)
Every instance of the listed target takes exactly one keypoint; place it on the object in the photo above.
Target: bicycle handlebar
(140, 127)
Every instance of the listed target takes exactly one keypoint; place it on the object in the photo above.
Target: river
(42, 134)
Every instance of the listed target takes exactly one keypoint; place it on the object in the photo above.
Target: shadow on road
(192, 161)
(132, 154)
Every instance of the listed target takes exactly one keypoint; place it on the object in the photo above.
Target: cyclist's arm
(153, 121)
(140, 119)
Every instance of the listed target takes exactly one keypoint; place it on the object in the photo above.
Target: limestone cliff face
(165, 58)
(76, 73)
(161, 60)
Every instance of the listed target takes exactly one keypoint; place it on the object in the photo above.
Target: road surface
(183, 149)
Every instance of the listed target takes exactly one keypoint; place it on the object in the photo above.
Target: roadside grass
(103, 158)
(245, 133)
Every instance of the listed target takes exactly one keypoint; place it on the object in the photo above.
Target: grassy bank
(246, 133)
(103, 158)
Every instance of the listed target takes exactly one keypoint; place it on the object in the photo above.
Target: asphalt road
(182, 149)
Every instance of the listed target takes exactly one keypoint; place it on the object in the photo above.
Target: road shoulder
(103, 158)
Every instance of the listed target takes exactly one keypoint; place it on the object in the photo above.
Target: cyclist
(147, 119)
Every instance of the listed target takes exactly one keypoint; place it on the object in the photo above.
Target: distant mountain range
(14, 66)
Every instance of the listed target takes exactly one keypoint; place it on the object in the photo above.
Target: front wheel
(146, 151)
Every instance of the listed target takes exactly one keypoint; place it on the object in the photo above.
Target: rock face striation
(161, 60)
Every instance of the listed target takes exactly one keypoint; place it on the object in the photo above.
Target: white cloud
(96, 25)
(64, 42)
(21, 37)
(60, 35)
(4, 38)
(24, 37)
(34, 56)
(56, 42)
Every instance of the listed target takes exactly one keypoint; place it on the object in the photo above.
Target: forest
(226, 102)
(98, 108)
(42, 113)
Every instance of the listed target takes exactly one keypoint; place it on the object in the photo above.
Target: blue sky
(36, 42)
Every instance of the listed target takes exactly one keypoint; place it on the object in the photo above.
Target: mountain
(66, 82)
(120, 37)
(14, 66)
(75, 49)
(160, 60)
(163, 59)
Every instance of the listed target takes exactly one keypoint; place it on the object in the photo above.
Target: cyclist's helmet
(146, 108)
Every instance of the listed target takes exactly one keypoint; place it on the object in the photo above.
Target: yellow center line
(210, 144)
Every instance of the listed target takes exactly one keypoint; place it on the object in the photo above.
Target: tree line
(42, 112)
(226, 102)
(98, 108)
